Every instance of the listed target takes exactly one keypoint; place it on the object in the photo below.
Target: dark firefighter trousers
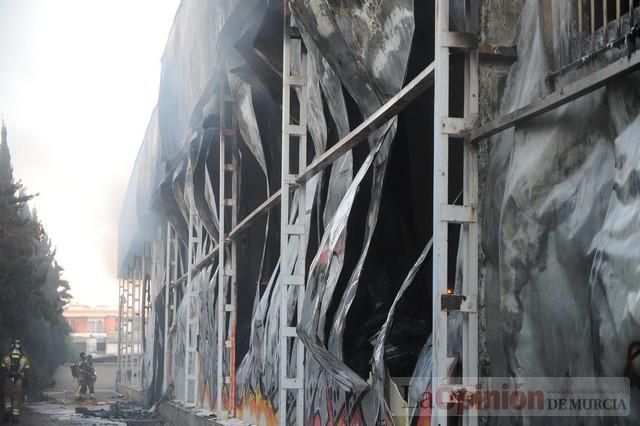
(83, 384)
(12, 397)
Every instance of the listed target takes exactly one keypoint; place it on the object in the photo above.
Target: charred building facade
(339, 200)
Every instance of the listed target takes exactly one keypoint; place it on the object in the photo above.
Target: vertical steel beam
(618, 17)
(470, 229)
(144, 274)
(167, 309)
(580, 25)
(221, 317)
(593, 26)
(129, 326)
(293, 223)
(227, 270)
(445, 214)
(605, 21)
(233, 261)
(191, 388)
(129, 334)
(440, 198)
(120, 322)
(137, 317)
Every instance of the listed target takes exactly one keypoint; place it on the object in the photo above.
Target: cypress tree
(32, 291)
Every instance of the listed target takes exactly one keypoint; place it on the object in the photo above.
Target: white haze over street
(78, 82)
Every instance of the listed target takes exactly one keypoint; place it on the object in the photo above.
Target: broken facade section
(551, 222)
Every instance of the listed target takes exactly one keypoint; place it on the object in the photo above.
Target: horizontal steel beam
(206, 260)
(562, 96)
(263, 208)
(410, 92)
(391, 108)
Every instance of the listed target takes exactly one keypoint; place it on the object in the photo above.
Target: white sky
(78, 82)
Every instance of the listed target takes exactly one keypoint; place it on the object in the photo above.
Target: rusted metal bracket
(452, 302)
(489, 52)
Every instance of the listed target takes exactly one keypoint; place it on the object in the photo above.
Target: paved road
(42, 414)
(60, 409)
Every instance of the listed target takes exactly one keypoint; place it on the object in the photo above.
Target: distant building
(94, 329)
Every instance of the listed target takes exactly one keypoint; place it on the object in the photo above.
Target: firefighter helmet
(16, 344)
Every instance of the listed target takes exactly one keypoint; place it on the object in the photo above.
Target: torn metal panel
(203, 194)
(420, 383)
(180, 185)
(342, 169)
(257, 375)
(374, 40)
(253, 365)
(179, 349)
(244, 111)
(171, 210)
(323, 275)
(208, 291)
(378, 371)
(367, 44)
(315, 110)
(367, 81)
(337, 328)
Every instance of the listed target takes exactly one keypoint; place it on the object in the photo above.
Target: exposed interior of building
(337, 199)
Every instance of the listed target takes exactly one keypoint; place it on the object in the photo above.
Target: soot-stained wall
(367, 303)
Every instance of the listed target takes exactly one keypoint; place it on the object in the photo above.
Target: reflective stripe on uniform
(24, 362)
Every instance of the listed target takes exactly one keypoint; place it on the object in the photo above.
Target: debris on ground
(123, 411)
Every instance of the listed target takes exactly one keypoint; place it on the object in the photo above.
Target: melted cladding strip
(391, 108)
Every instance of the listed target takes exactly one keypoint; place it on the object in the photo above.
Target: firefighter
(91, 377)
(80, 374)
(16, 367)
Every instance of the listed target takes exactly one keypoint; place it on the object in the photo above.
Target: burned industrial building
(335, 199)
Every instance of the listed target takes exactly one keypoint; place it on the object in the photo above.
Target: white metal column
(293, 226)
(130, 327)
(136, 315)
(171, 269)
(445, 213)
(191, 345)
(227, 270)
(120, 325)
(470, 240)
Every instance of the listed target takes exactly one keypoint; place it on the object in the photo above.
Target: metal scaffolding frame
(171, 275)
(202, 252)
(293, 222)
(194, 250)
(227, 261)
(131, 314)
(446, 212)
